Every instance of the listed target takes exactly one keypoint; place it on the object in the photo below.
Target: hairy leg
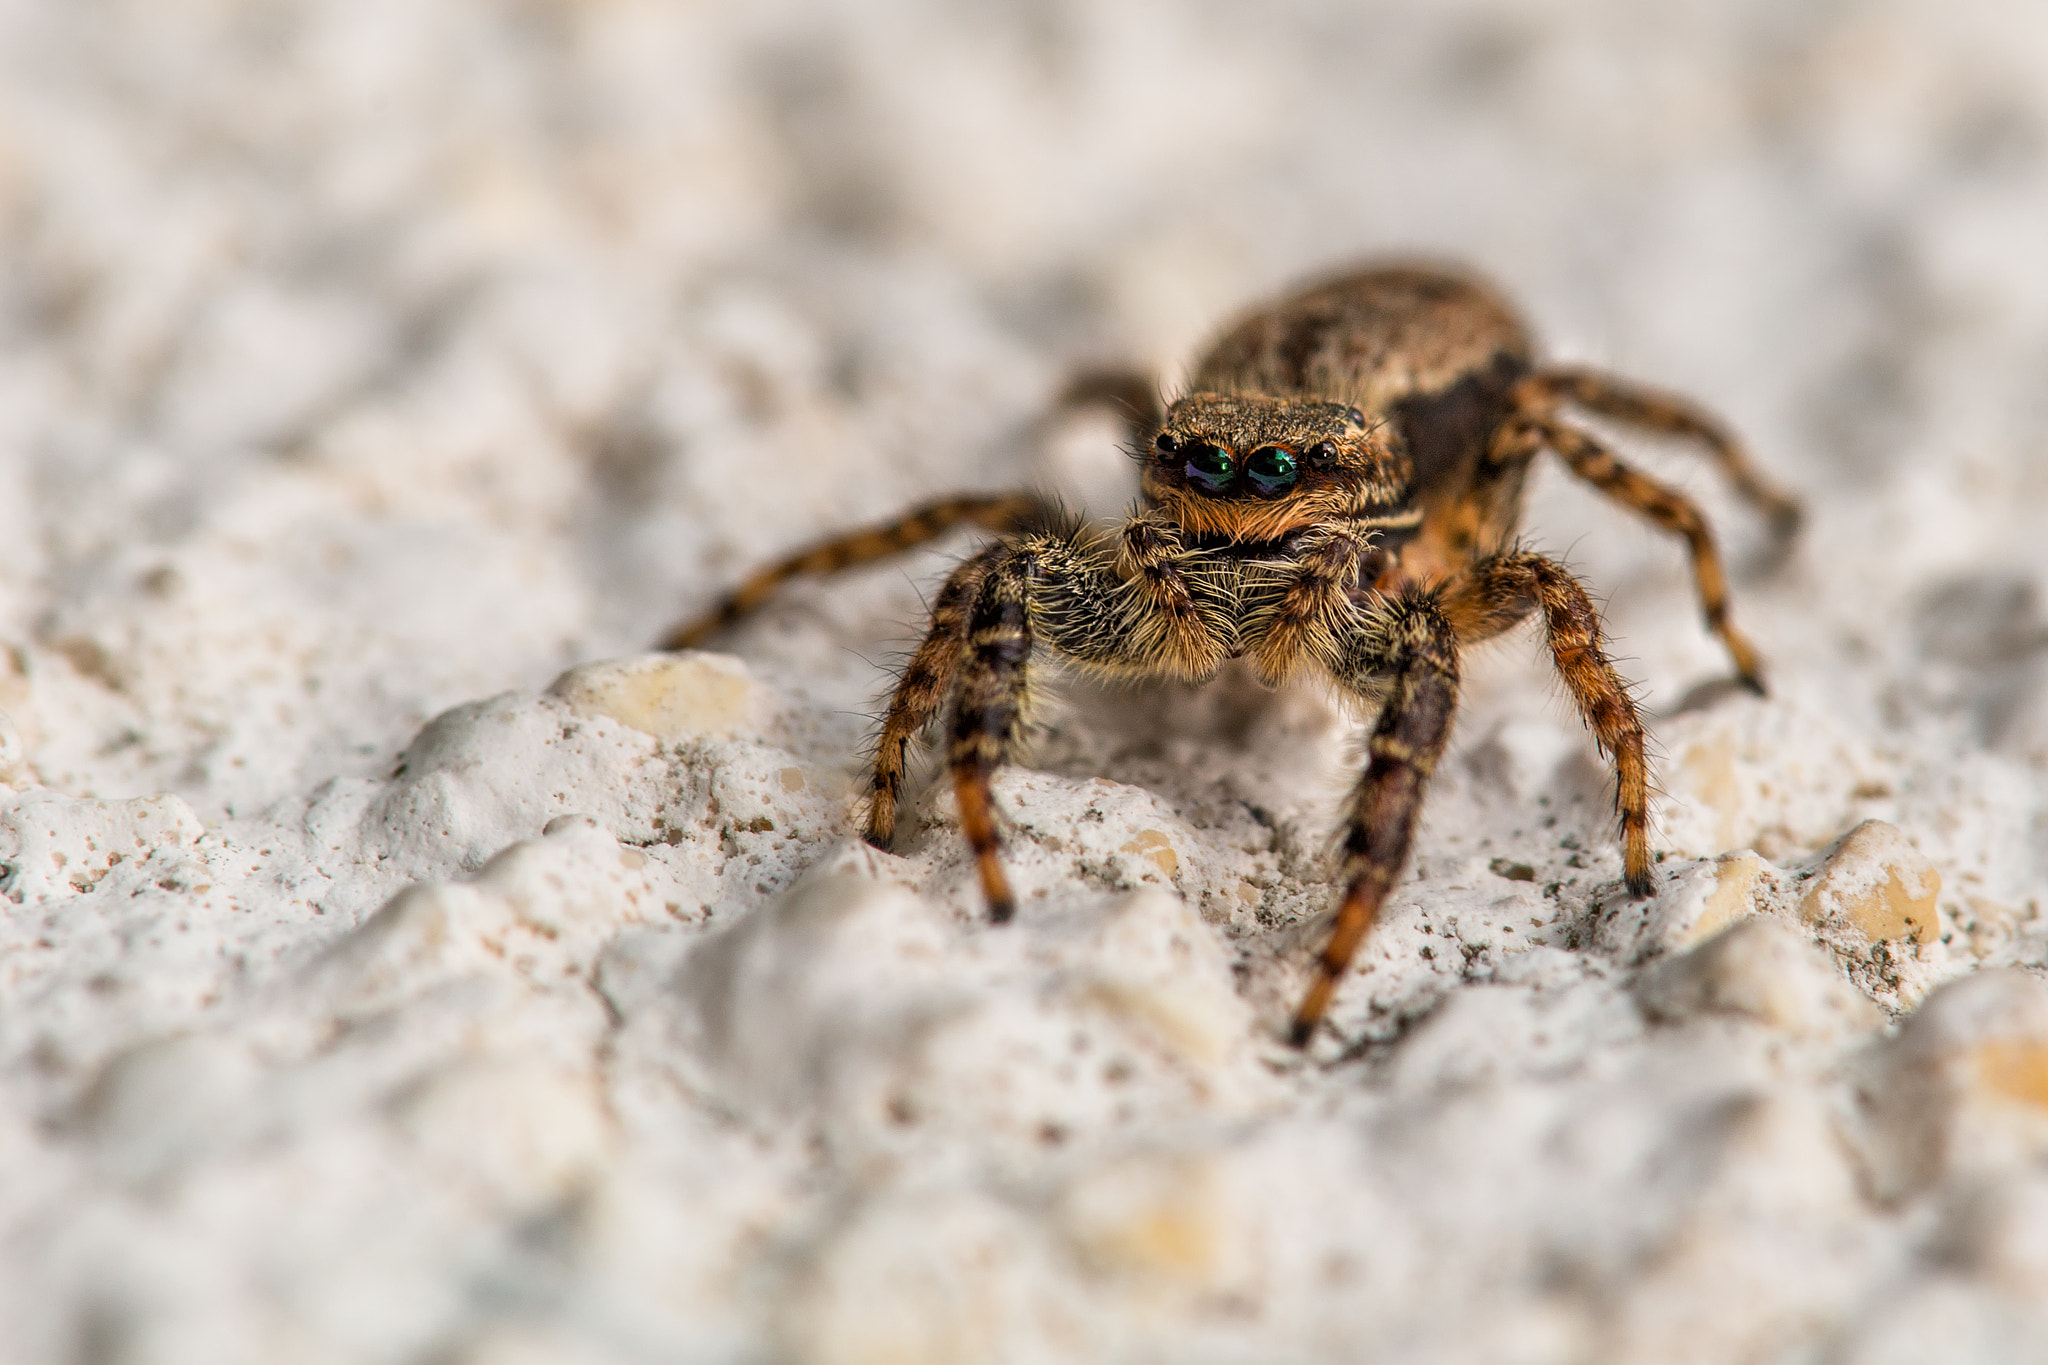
(922, 689)
(1407, 647)
(1000, 513)
(1060, 589)
(1654, 410)
(989, 712)
(1496, 593)
(1132, 393)
(1674, 512)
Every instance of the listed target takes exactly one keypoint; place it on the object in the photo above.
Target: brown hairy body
(1337, 495)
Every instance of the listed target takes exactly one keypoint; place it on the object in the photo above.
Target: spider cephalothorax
(1254, 467)
(1339, 496)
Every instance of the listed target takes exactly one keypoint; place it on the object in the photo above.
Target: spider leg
(922, 689)
(988, 713)
(1654, 410)
(1132, 393)
(1407, 646)
(1665, 506)
(998, 512)
(1496, 593)
(1057, 589)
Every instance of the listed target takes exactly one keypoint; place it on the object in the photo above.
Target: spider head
(1255, 467)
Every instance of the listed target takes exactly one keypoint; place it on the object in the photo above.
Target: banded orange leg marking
(922, 690)
(999, 513)
(988, 712)
(1417, 645)
(1498, 592)
(1654, 410)
(1672, 511)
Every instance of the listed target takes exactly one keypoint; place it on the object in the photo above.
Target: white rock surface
(398, 963)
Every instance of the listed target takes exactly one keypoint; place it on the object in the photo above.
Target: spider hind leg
(1651, 409)
(1131, 394)
(1537, 426)
(1000, 513)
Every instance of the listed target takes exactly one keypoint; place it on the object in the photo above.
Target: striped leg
(922, 689)
(1498, 592)
(1133, 395)
(1410, 640)
(988, 713)
(999, 513)
(1667, 413)
(1674, 512)
(1059, 588)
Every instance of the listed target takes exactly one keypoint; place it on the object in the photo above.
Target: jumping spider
(1336, 495)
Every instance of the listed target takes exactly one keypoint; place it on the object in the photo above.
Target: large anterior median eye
(1271, 471)
(1209, 468)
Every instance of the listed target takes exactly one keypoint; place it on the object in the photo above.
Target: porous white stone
(1764, 969)
(884, 1025)
(671, 697)
(1876, 884)
(1692, 904)
(56, 847)
(1962, 1093)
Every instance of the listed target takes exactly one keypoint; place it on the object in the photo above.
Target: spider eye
(1209, 468)
(1271, 471)
(1322, 452)
(1167, 445)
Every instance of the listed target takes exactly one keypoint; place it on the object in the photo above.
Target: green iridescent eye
(1271, 471)
(1209, 468)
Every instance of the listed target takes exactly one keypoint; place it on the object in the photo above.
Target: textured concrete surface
(399, 964)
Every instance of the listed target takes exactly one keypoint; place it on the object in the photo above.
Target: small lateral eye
(1322, 452)
(1209, 467)
(1357, 416)
(1166, 443)
(1271, 471)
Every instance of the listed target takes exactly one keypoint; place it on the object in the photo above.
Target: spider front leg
(1407, 647)
(1303, 628)
(922, 689)
(989, 713)
(1059, 590)
(1496, 593)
